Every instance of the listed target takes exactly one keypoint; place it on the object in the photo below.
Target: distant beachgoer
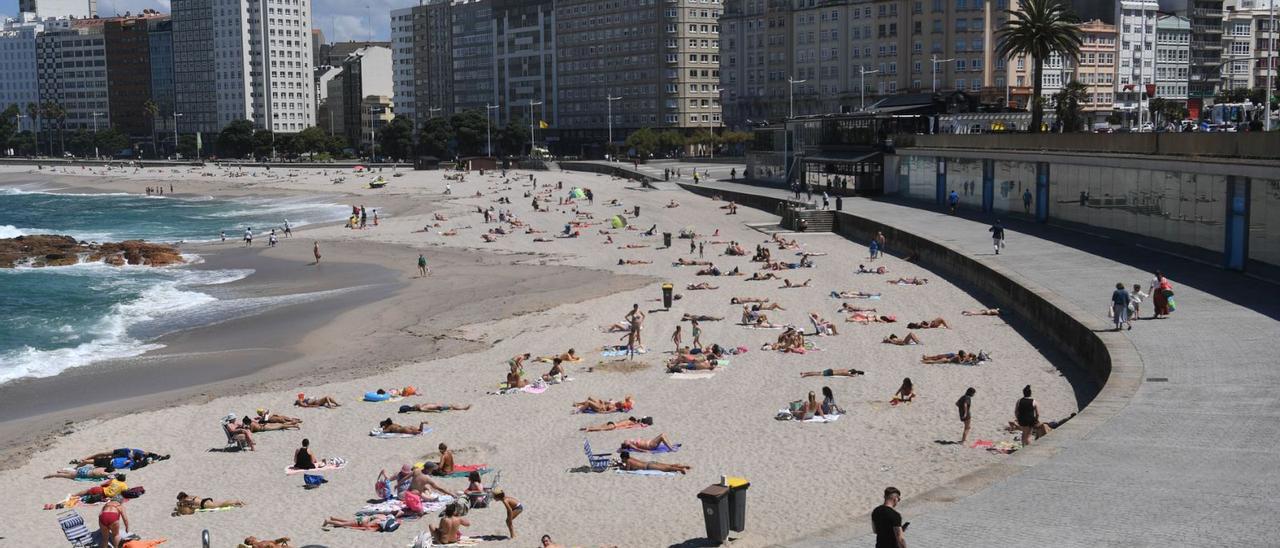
(188, 504)
(316, 250)
(1120, 307)
(422, 265)
(322, 401)
(1161, 291)
(446, 461)
(434, 407)
(887, 522)
(288, 229)
(224, 236)
(697, 333)
(628, 423)
(675, 338)
(832, 373)
(303, 458)
(390, 427)
(112, 522)
(981, 312)
(1135, 301)
(905, 394)
(449, 530)
(253, 542)
(910, 339)
(997, 236)
(953, 199)
(627, 462)
(248, 237)
(1027, 413)
(881, 240)
(828, 404)
(874, 248)
(964, 405)
(513, 507)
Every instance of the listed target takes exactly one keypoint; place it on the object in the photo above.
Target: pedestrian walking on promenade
(1120, 307)
(887, 522)
(997, 236)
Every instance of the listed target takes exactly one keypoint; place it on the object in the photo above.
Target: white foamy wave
(10, 231)
(12, 190)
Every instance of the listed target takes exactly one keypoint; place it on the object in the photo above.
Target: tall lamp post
(532, 104)
(488, 135)
(610, 99)
(176, 115)
(862, 91)
(96, 156)
(791, 113)
(934, 60)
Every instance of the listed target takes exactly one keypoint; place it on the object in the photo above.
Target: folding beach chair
(76, 531)
(483, 498)
(233, 444)
(599, 461)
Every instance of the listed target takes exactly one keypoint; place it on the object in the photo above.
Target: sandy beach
(450, 334)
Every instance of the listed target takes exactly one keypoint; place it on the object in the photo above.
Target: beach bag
(406, 408)
(412, 502)
(385, 488)
(1172, 305)
(390, 525)
(134, 492)
(311, 481)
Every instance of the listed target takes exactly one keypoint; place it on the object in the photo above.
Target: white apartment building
(1136, 59)
(1173, 53)
(262, 63)
(72, 72)
(45, 9)
(402, 63)
(20, 85)
(1245, 41)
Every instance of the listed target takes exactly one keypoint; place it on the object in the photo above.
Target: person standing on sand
(316, 250)
(700, 246)
(224, 236)
(636, 317)
(1027, 413)
(675, 339)
(880, 239)
(692, 246)
(513, 507)
(248, 236)
(964, 405)
(874, 249)
(288, 229)
(697, 333)
(887, 522)
(422, 265)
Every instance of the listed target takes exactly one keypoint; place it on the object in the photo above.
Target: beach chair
(76, 531)
(233, 443)
(599, 461)
(483, 498)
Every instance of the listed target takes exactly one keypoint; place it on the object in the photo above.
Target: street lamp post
(862, 91)
(610, 99)
(791, 113)
(431, 110)
(488, 135)
(96, 156)
(175, 134)
(934, 59)
(532, 104)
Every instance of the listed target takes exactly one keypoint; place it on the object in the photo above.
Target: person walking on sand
(692, 246)
(880, 239)
(675, 338)
(697, 333)
(700, 246)
(874, 249)
(288, 229)
(964, 405)
(422, 265)
(316, 250)
(513, 507)
(1120, 307)
(997, 236)
(887, 522)
(248, 236)
(1027, 413)
(224, 236)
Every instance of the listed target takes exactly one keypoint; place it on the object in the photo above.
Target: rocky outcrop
(50, 250)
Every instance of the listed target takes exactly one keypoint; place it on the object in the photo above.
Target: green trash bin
(737, 503)
(715, 510)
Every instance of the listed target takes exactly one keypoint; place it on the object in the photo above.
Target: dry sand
(805, 477)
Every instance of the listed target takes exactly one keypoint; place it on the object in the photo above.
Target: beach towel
(663, 448)
(645, 472)
(389, 507)
(463, 470)
(388, 435)
(424, 541)
(322, 467)
(218, 509)
(693, 375)
(826, 418)
(982, 444)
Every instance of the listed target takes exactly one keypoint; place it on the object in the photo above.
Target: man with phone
(887, 522)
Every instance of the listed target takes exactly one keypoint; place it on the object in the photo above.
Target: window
(960, 64)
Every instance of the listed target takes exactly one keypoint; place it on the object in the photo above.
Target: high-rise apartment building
(262, 52)
(18, 64)
(129, 72)
(45, 9)
(1173, 56)
(194, 71)
(72, 72)
(1135, 65)
(524, 50)
(402, 63)
(1206, 48)
(433, 56)
(755, 60)
(160, 43)
(1246, 41)
(366, 73)
(474, 61)
(1096, 69)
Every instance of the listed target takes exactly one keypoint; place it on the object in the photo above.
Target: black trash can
(666, 295)
(637, 213)
(839, 204)
(715, 510)
(738, 503)
(666, 239)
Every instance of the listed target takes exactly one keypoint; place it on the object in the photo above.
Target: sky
(340, 20)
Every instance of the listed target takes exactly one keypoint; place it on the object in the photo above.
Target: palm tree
(33, 112)
(151, 108)
(1039, 29)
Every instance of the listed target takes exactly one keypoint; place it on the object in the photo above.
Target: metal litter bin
(737, 503)
(637, 213)
(839, 204)
(666, 295)
(666, 239)
(715, 510)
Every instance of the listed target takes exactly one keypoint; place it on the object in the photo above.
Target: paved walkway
(1191, 459)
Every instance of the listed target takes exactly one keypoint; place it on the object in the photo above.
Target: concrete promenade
(1181, 447)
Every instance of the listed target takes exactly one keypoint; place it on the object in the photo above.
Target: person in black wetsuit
(1027, 413)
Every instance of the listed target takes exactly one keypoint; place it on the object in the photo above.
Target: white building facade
(45, 9)
(262, 62)
(1136, 59)
(20, 84)
(402, 63)
(1173, 55)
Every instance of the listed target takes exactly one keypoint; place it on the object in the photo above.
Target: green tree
(287, 145)
(236, 140)
(1038, 30)
(1068, 105)
(187, 145)
(80, 143)
(671, 141)
(111, 141)
(469, 130)
(33, 113)
(395, 140)
(434, 137)
(642, 142)
(54, 112)
(511, 139)
(264, 143)
(8, 125)
(24, 143)
(311, 140)
(153, 111)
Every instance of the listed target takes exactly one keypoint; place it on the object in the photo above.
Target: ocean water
(58, 318)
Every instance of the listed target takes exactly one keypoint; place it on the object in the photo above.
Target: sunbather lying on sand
(255, 426)
(690, 262)
(266, 416)
(647, 444)
(786, 284)
(909, 281)
(627, 462)
(593, 405)
(757, 276)
(374, 522)
(878, 270)
(982, 312)
(121, 458)
(619, 327)
(253, 542)
(951, 357)
(673, 203)
(911, 338)
(713, 271)
(392, 428)
(744, 300)
(700, 318)
(633, 261)
(703, 285)
(690, 362)
(1040, 429)
(929, 324)
(321, 401)
(188, 504)
(632, 246)
(864, 319)
(853, 295)
(846, 307)
(627, 424)
(833, 373)
(433, 407)
(84, 472)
